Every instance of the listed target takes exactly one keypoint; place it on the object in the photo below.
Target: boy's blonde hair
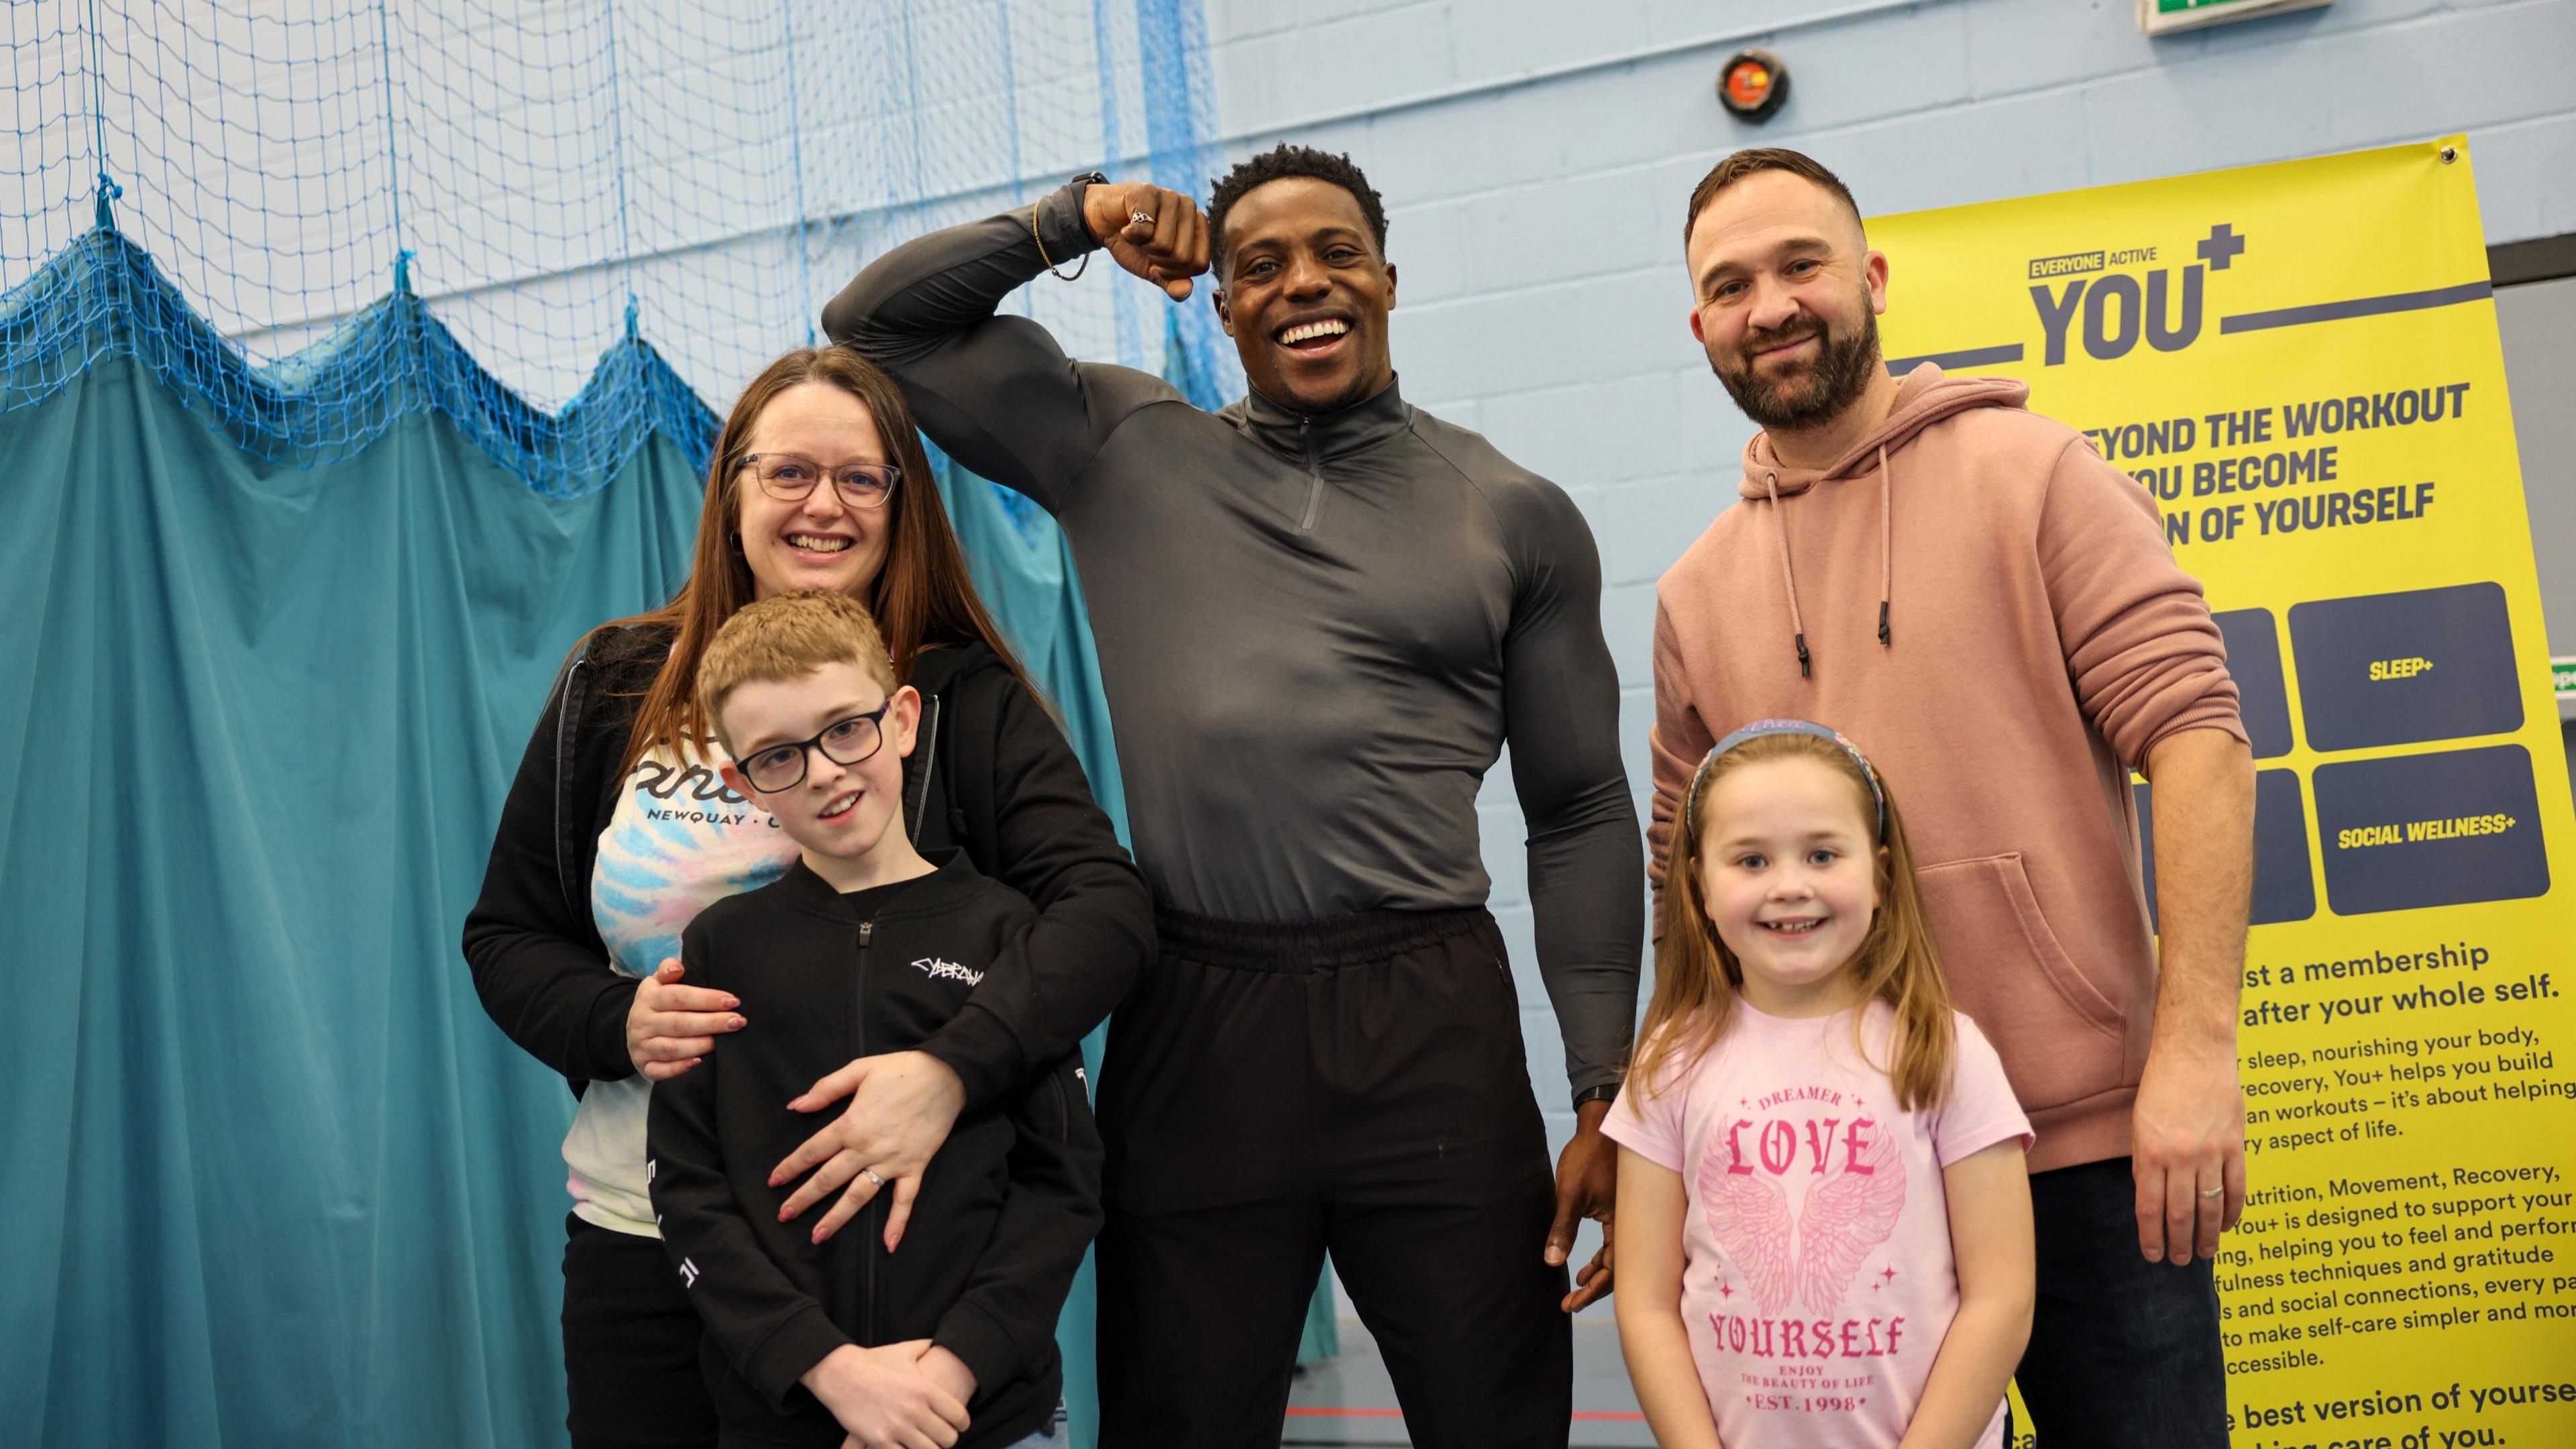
(788, 636)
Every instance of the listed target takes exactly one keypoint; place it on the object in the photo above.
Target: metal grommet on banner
(2450, 154)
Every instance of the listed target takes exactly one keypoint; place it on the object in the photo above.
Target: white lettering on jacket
(938, 970)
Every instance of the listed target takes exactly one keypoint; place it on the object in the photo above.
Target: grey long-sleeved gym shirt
(1316, 632)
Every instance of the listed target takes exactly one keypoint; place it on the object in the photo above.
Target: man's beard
(1833, 382)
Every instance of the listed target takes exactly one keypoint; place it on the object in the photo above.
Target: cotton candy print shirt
(678, 841)
(1817, 1279)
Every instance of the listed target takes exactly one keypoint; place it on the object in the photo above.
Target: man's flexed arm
(996, 391)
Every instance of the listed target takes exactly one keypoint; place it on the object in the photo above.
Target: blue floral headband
(1762, 727)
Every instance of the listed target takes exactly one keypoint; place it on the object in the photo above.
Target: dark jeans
(1271, 1091)
(630, 1346)
(2123, 1352)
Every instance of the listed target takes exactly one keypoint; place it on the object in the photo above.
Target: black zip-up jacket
(1005, 1209)
(991, 774)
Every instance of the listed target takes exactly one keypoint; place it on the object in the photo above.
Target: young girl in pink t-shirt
(1824, 1219)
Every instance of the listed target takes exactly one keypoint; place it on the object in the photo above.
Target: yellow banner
(2300, 363)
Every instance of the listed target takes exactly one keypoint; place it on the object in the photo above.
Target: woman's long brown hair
(922, 596)
(1697, 978)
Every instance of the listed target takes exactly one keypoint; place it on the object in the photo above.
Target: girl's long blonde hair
(1697, 978)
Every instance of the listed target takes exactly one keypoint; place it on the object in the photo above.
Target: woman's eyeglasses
(791, 479)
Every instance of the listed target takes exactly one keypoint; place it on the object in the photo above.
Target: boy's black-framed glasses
(843, 742)
(791, 479)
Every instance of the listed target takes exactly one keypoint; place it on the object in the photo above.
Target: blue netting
(562, 224)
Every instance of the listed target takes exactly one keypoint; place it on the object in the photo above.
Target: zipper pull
(866, 929)
(1314, 476)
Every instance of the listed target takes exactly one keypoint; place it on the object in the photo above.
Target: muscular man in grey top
(1320, 614)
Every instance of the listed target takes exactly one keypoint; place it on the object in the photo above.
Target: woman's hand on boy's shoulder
(669, 1027)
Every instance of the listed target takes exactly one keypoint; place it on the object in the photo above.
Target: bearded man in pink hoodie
(1991, 611)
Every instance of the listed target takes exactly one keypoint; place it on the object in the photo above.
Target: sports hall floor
(1347, 1400)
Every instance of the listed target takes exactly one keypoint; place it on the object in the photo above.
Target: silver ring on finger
(2213, 1192)
(870, 1174)
(1141, 218)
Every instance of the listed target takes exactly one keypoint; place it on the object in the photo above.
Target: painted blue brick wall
(1536, 215)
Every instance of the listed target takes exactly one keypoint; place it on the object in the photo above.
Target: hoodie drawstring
(1788, 576)
(1886, 547)
(1886, 560)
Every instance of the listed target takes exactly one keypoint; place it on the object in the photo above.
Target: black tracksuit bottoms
(1275, 1090)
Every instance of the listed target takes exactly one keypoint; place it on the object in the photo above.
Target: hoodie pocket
(2060, 1038)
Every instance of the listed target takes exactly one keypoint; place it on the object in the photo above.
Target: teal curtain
(273, 1178)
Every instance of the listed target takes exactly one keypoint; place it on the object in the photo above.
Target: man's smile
(1313, 336)
(1787, 350)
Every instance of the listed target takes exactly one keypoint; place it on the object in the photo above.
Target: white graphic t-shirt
(678, 842)
(1817, 1278)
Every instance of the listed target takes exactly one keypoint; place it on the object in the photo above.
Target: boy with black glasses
(863, 946)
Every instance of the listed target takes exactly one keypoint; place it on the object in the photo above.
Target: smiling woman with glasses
(618, 831)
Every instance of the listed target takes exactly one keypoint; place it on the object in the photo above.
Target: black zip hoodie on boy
(1006, 1207)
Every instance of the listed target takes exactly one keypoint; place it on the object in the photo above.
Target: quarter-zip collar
(1311, 439)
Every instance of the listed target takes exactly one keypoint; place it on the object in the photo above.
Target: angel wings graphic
(1809, 1259)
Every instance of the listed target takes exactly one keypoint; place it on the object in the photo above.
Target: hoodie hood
(1924, 398)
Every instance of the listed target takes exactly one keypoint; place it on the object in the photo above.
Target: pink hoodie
(1991, 613)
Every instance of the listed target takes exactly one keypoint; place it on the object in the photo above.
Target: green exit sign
(2161, 17)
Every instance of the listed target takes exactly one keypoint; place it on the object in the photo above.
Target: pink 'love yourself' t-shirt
(1817, 1279)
